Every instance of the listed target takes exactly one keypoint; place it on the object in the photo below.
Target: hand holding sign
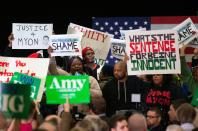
(182, 50)
(10, 39)
(126, 58)
(37, 107)
(49, 51)
(66, 106)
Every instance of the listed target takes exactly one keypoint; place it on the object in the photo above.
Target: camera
(77, 116)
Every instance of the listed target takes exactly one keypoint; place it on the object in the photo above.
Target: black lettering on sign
(118, 49)
(65, 45)
(28, 41)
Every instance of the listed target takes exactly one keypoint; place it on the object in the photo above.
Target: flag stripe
(172, 19)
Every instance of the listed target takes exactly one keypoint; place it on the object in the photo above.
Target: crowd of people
(119, 102)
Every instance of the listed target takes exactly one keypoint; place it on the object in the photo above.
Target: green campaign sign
(194, 101)
(74, 87)
(15, 100)
(19, 78)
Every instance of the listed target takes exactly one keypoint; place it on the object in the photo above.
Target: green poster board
(194, 101)
(19, 78)
(74, 87)
(15, 100)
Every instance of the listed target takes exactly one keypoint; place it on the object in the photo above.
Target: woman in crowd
(160, 92)
(75, 67)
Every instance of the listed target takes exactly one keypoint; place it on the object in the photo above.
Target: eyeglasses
(151, 117)
(90, 53)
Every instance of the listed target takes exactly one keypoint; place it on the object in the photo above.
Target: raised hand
(66, 106)
(126, 58)
(49, 50)
(37, 107)
(182, 50)
(10, 39)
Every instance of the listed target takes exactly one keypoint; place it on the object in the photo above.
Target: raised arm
(53, 66)
(66, 121)
(185, 71)
(8, 49)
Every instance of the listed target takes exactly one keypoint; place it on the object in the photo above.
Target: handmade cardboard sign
(66, 45)
(99, 41)
(122, 32)
(152, 52)
(186, 32)
(35, 67)
(118, 48)
(31, 36)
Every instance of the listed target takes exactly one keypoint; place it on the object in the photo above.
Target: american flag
(113, 25)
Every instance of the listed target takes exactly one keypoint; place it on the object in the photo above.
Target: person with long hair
(75, 67)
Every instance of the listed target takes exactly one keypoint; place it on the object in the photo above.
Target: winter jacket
(118, 95)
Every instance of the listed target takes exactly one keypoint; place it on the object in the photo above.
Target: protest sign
(15, 100)
(99, 41)
(194, 101)
(34, 82)
(31, 36)
(76, 88)
(118, 48)
(194, 43)
(35, 67)
(122, 32)
(66, 45)
(152, 52)
(186, 32)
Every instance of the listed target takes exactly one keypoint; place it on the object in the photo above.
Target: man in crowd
(119, 91)
(137, 122)
(154, 119)
(118, 122)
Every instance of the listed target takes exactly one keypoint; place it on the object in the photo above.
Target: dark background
(61, 13)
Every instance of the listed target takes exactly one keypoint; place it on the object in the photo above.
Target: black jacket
(118, 98)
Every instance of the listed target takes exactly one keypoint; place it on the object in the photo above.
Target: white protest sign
(152, 52)
(36, 67)
(66, 45)
(186, 32)
(122, 32)
(118, 48)
(31, 36)
(194, 43)
(99, 41)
